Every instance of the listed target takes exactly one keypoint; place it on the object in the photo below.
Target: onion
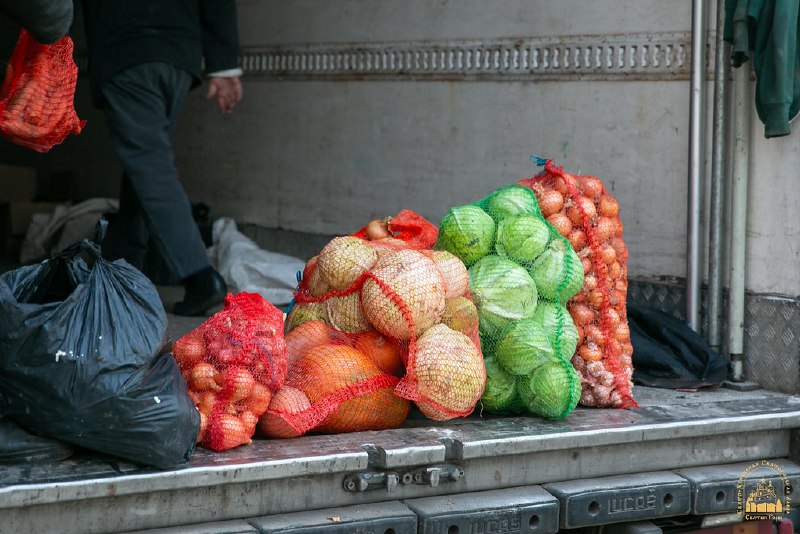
(189, 350)
(591, 186)
(582, 210)
(593, 333)
(605, 229)
(258, 400)
(589, 282)
(608, 254)
(561, 223)
(344, 260)
(595, 298)
(203, 377)
(608, 206)
(550, 202)
(622, 332)
(614, 270)
(378, 229)
(236, 382)
(565, 184)
(590, 352)
(577, 238)
(611, 316)
(619, 247)
(582, 314)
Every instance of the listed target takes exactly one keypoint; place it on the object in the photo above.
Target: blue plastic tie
(538, 160)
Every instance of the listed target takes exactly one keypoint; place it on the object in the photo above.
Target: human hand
(227, 91)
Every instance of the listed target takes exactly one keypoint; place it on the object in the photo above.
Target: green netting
(521, 273)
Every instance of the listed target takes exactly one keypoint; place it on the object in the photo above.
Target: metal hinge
(432, 476)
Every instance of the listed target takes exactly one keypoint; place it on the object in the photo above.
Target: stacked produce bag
(379, 320)
(582, 210)
(233, 363)
(521, 275)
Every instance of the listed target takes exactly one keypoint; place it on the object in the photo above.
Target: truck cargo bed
(670, 431)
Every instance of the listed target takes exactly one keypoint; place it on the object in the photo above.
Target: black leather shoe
(204, 290)
(18, 446)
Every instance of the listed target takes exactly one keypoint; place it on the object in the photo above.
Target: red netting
(377, 323)
(233, 363)
(37, 96)
(583, 211)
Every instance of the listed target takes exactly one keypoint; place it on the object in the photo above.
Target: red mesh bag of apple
(379, 320)
(37, 96)
(583, 211)
(233, 363)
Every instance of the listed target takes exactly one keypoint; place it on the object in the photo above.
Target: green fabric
(766, 31)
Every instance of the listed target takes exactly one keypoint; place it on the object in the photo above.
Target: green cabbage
(560, 327)
(558, 271)
(500, 391)
(524, 347)
(503, 292)
(467, 232)
(553, 390)
(522, 238)
(512, 200)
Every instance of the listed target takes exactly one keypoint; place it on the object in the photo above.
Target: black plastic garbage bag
(669, 354)
(83, 359)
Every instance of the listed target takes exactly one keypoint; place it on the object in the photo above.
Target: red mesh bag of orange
(37, 96)
(379, 320)
(583, 211)
(233, 363)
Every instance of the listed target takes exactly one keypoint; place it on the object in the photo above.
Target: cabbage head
(500, 391)
(467, 232)
(555, 390)
(512, 200)
(560, 328)
(524, 347)
(522, 238)
(503, 292)
(558, 271)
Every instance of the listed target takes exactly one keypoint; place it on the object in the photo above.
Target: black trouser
(142, 106)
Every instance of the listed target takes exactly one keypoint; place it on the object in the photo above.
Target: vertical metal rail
(719, 150)
(696, 164)
(741, 164)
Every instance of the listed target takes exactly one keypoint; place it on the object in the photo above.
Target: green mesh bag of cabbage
(521, 274)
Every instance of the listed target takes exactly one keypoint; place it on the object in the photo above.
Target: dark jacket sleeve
(220, 34)
(47, 20)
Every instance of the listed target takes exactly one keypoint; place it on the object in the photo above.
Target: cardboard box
(17, 183)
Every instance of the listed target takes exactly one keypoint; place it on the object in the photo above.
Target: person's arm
(46, 20)
(221, 52)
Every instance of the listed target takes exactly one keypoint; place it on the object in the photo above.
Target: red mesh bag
(583, 211)
(373, 327)
(233, 363)
(37, 95)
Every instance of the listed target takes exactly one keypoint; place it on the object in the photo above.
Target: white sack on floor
(49, 234)
(246, 267)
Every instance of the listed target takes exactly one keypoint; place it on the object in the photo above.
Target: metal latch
(430, 476)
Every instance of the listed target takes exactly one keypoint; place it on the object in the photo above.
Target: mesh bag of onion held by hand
(582, 210)
(380, 320)
(521, 275)
(233, 363)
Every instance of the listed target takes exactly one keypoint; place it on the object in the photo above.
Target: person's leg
(142, 105)
(127, 235)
